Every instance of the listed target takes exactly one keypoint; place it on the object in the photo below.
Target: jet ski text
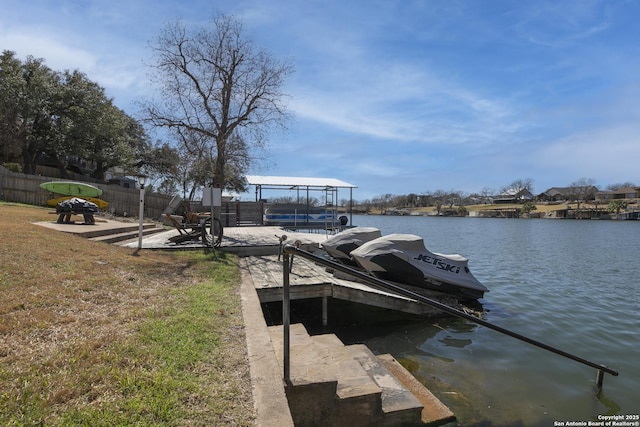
(438, 263)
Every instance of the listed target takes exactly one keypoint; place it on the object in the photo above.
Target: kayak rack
(288, 253)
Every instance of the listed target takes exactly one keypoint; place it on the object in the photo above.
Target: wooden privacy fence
(21, 188)
(236, 213)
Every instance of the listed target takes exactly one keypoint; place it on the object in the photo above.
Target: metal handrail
(293, 250)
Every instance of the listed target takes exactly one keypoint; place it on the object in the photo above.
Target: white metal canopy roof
(294, 181)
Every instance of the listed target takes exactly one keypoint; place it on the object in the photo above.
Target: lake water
(574, 285)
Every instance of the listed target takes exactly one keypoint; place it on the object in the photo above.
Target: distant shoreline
(542, 211)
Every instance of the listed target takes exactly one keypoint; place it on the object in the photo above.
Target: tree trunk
(28, 159)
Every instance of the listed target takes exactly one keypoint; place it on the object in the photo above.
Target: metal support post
(141, 217)
(286, 318)
(599, 379)
(324, 311)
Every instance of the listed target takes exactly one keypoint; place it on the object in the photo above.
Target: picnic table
(76, 206)
(65, 217)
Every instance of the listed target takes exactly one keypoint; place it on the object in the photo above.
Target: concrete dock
(330, 382)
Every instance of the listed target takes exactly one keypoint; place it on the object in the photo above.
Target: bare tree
(518, 185)
(486, 194)
(215, 83)
(618, 186)
(453, 197)
(582, 190)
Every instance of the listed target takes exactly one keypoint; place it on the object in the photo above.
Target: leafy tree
(28, 91)
(617, 205)
(119, 140)
(13, 167)
(11, 83)
(216, 84)
(77, 110)
(438, 205)
(528, 207)
(62, 116)
(162, 163)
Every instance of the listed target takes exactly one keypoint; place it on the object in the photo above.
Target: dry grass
(91, 334)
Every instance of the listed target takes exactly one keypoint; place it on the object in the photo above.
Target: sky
(395, 96)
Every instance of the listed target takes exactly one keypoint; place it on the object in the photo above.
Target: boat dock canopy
(294, 181)
(328, 185)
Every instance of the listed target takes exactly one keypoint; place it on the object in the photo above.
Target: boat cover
(76, 204)
(404, 258)
(340, 245)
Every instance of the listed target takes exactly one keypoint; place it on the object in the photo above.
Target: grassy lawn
(93, 335)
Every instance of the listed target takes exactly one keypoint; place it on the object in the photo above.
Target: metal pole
(599, 379)
(324, 311)
(351, 207)
(141, 216)
(286, 321)
(212, 225)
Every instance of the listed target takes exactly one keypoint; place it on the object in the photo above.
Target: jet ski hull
(403, 258)
(342, 244)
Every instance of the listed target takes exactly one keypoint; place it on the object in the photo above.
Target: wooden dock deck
(243, 241)
(309, 280)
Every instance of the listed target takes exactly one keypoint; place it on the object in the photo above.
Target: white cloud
(37, 43)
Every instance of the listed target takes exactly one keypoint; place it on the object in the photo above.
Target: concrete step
(312, 388)
(434, 412)
(127, 233)
(365, 392)
(309, 364)
(399, 405)
(105, 231)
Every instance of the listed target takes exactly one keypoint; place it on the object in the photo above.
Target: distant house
(554, 194)
(557, 194)
(513, 196)
(623, 193)
(123, 182)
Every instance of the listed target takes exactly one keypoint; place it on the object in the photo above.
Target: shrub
(13, 167)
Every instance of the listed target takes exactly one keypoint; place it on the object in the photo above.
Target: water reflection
(612, 406)
(449, 341)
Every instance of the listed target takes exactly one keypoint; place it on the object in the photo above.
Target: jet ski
(403, 258)
(340, 245)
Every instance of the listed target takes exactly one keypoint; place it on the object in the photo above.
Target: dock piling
(599, 379)
(286, 318)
